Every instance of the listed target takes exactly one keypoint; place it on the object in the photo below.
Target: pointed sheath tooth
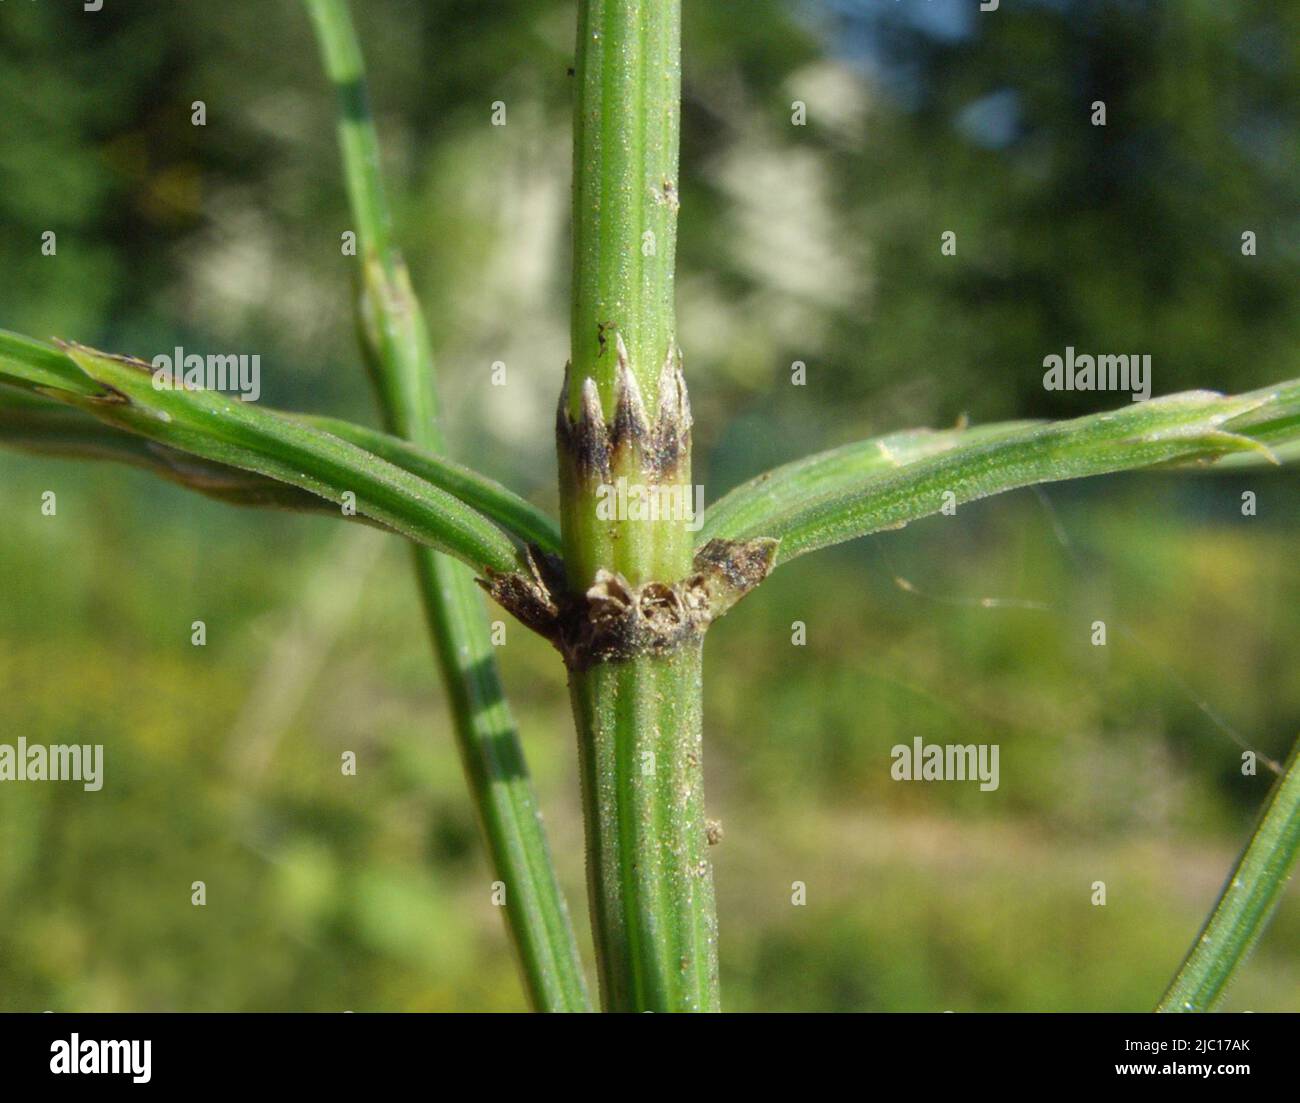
(591, 411)
(620, 350)
(631, 424)
(669, 396)
(562, 407)
(684, 401)
(589, 437)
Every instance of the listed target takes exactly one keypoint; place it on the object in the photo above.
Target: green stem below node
(650, 879)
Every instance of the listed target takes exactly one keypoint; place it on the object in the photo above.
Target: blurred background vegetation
(817, 243)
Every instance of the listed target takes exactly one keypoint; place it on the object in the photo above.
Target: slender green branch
(36, 366)
(891, 481)
(396, 339)
(239, 434)
(358, 141)
(518, 517)
(41, 423)
(50, 428)
(1248, 899)
(751, 506)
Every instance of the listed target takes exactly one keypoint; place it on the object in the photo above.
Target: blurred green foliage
(816, 243)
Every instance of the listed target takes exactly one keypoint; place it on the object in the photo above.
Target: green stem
(638, 709)
(396, 338)
(1247, 900)
(650, 880)
(625, 138)
(358, 139)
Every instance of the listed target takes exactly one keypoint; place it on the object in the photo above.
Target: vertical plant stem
(396, 341)
(625, 138)
(625, 417)
(1247, 900)
(651, 885)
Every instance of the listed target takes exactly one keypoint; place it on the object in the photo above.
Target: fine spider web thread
(1147, 652)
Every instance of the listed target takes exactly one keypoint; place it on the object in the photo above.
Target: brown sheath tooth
(562, 407)
(593, 430)
(658, 447)
(592, 419)
(669, 440)
(726, 570)
(631, 428)
(670, 395)
(586, 440)
(531, 596)
(621, 353)
(684, 412)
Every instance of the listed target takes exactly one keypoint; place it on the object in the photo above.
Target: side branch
(1252, 891)
(252, 455)
(888, 482)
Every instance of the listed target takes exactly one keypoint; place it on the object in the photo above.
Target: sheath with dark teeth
(655, 448)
